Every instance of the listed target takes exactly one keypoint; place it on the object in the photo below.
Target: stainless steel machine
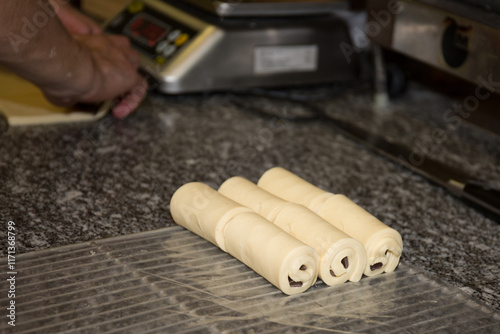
(459, 37)
(193, 46)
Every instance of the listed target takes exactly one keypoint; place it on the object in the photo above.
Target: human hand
(78, 24)
(74, 21)
(110, 71)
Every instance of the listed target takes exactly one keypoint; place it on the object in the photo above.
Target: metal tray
(172, 281)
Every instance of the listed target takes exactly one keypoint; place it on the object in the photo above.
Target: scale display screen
(155, 34)
(147, 30)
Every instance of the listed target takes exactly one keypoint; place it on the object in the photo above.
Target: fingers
(124, 44)
(131, 100)
(94, 28)
(74, 21)
(120, 41)
(114, 72)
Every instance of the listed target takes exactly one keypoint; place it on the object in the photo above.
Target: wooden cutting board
(102, 10)
(22, 103)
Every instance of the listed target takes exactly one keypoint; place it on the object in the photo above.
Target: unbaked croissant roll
(383, 244)
(200, 209)
(283, 260)
(341, 257)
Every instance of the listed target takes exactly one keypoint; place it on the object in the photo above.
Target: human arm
(68, 68)
(74, 21)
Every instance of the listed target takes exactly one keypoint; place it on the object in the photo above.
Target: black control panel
(155, 35)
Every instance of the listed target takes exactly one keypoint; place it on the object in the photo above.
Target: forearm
(88, 66)
(34, 44)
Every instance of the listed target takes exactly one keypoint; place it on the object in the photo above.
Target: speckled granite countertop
(73, 183)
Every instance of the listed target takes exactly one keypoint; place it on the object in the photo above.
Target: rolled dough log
(383, 244)
(283, 260)
(342, 258)
(203, 211)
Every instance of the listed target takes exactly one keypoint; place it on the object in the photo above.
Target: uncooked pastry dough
(283, 260)
(272, 253)
(22, 103)
(383, 244)
(203, 211)
(342, 258)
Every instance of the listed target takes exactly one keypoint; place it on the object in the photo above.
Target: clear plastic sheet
(172, 281)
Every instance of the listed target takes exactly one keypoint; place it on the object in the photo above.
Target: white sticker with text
(282, 59)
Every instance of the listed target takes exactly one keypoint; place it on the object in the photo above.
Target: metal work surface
(270, 8)
(456, 38)
(188, 50)
(170, 280)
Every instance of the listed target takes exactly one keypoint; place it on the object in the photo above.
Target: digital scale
(194, 46)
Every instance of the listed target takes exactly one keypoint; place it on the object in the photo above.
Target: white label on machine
(280, 59)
